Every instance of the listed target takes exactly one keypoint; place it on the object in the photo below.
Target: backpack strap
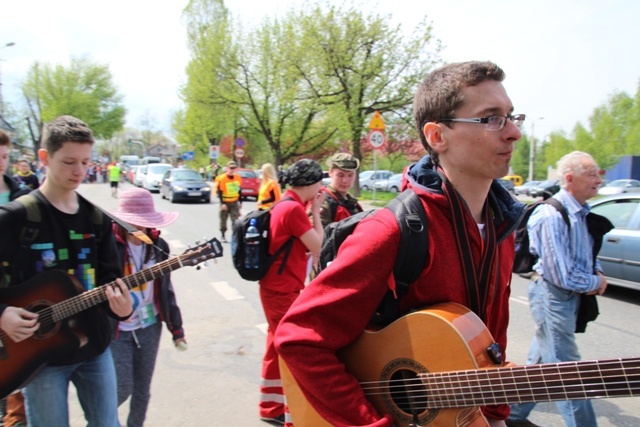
(31, 229)
(412, 253)
(286, 246)
(560, 208)
(414, 239)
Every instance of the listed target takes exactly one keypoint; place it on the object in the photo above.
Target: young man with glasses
(468, 212)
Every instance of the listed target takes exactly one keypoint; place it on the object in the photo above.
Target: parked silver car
(153, 177)
(524, 188)
(392, 184)
(620, 253)
(619, 186)
(368, 178)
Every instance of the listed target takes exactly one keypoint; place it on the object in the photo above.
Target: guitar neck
(590, 379)
(88, 299)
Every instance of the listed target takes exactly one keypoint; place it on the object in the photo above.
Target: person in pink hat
(135, 341)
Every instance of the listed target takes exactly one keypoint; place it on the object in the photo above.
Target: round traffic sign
(239, 153)
(240, 142)
(376, 138)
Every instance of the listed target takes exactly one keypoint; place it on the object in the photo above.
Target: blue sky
(563, 58)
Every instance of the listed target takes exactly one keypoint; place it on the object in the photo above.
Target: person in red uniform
(278, 289)
(465, 121)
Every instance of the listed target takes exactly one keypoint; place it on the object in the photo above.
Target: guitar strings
(54, 313)
(548, 382)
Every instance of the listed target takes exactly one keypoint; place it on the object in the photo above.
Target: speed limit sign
(376, 138)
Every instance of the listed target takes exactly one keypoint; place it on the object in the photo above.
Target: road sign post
(377, 139)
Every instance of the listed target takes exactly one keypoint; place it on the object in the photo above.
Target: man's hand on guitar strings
(119, 298)
(19, 323)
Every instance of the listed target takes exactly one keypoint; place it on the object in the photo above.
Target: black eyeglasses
(492, 122)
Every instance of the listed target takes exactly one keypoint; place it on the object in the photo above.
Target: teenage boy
(68, 239)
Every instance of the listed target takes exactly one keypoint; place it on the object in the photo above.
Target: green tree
(83, 89)
(247, 84)
(303, 84)
(363, 64)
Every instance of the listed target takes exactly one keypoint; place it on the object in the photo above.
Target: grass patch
(382, 197)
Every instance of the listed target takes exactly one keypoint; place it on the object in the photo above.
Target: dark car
(250, 183)
(620, 253)
(524, 188)
(545, 189)
(184, 184)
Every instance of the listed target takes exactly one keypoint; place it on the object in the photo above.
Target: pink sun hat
(136, 207)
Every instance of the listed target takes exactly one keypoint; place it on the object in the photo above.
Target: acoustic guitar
(437, 366)
(57, 298)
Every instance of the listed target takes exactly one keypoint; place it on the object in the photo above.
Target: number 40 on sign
(376, 138)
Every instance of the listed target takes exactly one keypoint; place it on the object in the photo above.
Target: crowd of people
(466, 123)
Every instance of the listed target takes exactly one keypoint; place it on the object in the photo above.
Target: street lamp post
(133, 141)
(532, 148)
(1, 100)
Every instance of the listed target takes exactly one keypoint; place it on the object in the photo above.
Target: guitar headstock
(196, 255)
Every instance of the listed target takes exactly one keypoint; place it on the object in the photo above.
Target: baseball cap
(343, 161)
(231, 164)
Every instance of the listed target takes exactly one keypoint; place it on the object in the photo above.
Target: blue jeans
(46, 397)
(554, 311)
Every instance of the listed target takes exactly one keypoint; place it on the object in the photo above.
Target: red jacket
(336, 307)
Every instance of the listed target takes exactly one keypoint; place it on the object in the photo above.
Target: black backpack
(412, 253)
(524, 260)
(238, 246)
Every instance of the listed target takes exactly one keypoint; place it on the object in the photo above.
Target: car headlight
(207, 188)
(178, 188)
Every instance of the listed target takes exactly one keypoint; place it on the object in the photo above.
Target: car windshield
(187, 175)
(365, 175)
(158, 169)
(547, 183)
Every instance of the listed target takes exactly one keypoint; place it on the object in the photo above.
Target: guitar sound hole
(406, 397)
(407, 392)
(47, 326)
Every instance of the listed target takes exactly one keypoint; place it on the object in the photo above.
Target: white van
(129, 160)
(147, 160)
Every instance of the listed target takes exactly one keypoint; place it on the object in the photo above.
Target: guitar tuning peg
(197, 267)
(197, 242)
(206, 264)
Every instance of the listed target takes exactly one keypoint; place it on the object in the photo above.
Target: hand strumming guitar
(19, 323)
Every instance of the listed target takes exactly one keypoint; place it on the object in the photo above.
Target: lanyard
(476, 277)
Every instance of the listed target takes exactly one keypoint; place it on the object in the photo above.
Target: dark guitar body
(19, 362)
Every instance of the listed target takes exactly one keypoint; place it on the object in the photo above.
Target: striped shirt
(565, 258)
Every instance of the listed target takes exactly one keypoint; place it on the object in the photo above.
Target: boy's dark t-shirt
(65, 242)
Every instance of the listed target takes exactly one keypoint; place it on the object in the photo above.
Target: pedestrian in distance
(278, 289)
(338, 202)
(10, 188)
(26, 176)
(70, 239)
(228, 187)
(269, 192)
(136, 340)
(465, 121)
(114, 172)
(565, 270)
